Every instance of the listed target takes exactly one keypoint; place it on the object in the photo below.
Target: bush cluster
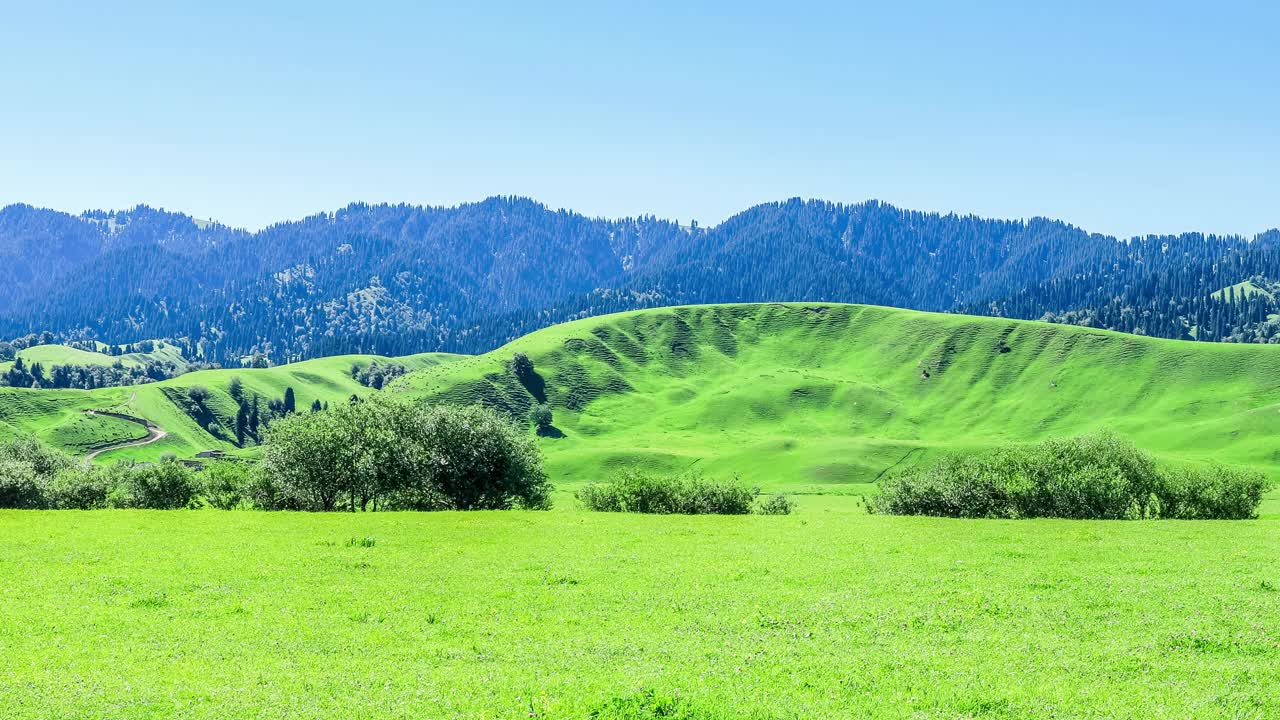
(688, 493)
(389, 454)
(1096, 476)
(378, 454)
(34, 477)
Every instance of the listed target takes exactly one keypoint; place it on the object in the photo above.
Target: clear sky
(1151, 117)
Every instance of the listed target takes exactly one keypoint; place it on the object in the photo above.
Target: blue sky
(1154, 117)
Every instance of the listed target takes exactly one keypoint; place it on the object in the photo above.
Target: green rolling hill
(815, 396)
(50, 355)
(802, 397)
(59, 416)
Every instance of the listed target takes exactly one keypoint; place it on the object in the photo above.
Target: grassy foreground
(828, 613)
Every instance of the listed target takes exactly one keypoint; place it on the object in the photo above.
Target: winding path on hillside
(154, 432)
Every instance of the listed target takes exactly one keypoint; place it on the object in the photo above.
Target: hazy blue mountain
(399, 278)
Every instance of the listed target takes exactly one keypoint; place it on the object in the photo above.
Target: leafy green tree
(521, 365)
(472, 458)
(290, 402)
(317, 459)
(541, 416)
(387, 453)
(227, 485)
(166, 485)
(254, 419)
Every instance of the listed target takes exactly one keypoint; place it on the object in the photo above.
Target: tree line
(399, 279)
(88, 377)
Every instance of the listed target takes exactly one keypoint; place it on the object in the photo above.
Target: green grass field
(828, 613)
(84, 432)
(824, 398)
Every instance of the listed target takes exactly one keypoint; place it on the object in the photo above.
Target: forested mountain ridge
(397, 279)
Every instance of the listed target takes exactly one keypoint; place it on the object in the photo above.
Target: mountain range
(400, 279)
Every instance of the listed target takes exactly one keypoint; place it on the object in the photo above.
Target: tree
(198, 394)
(315, 405)
(521, 365)
(290, 402)
(242, 425)
(541, 416)
(235, 388)
(472, 458)
(316, 459)
(387, 453)
(254, 418)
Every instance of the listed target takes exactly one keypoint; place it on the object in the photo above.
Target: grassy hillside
(58, 416)
(791, 396)
(807, 396)
(1242, 290)
(50, 355)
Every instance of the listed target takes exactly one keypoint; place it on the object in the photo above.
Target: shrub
(227, 485)
(26, 468)
(388, 453)
(541, 416)
(1212, 492)
(80, 487)
(472, 458)
(777, 505)
(166, 485)
(688, 493)
(45, 461)
(20, 487)
(1097, 476)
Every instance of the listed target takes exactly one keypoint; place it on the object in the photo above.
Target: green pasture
(828, 613)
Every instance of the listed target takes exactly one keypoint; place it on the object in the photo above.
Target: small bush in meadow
(80, 487)
(166, 485)
(228, 485)
(20, 487)
(386, 453)
(1097, 476)
(26, 467)
(688, 493)
(1194, 493)
(777, 505)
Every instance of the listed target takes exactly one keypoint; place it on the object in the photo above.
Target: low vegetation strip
(688, 493)
(1097, 476)
(379, 454)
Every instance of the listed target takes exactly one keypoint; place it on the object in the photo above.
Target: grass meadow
(827, 613)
